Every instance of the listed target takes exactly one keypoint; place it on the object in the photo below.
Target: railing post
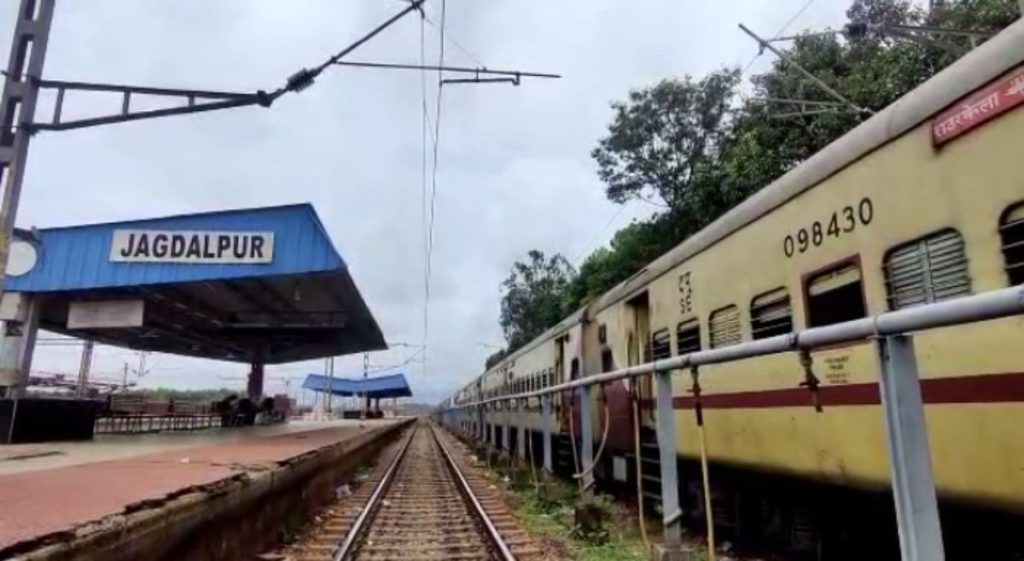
(547, 421)
(917, 511)
(587, 444)
(671, 512)
(480, 435)
(521, 440)
(507, 429)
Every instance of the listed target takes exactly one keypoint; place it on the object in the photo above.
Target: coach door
(638, 351)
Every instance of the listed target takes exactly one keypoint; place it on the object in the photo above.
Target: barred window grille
(1011, 233)
(661, 344)
(688, 336)
(725, 327)
(931, 269)
(771, 314)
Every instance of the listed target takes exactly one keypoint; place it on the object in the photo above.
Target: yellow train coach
(897, 213)
(921, 203)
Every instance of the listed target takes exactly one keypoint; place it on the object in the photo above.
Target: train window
(771, 314)
(688, 336)
(574, 369)
(835, 295)
(725, 326)
(661, 344)
(1011, 233)
(930, 269)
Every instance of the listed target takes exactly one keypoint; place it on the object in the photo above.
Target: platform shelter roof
(248, 285)
(391, 385)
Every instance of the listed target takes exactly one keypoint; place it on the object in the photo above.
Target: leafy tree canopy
(533, 296)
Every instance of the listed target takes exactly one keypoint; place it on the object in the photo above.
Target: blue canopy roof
(262, 285)
(79, 257)
(392, 385)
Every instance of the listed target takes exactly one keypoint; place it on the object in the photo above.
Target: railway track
(422, 501)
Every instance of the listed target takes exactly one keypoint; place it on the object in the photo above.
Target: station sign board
(105, 314)
(980, 107)
(192, 247)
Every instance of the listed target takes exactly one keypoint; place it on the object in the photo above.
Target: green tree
(533, 295)
(631, 249)
(662, 139)
(495, 358)
(868, 66)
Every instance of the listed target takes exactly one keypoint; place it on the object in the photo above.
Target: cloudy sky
(514, 168)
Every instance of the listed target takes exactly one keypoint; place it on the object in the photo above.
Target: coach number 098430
(842, 222)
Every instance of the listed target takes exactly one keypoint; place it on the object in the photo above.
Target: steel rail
(359, 524)
(467, 493)
(990, 305)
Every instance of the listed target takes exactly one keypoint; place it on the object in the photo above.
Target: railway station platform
(127, 488)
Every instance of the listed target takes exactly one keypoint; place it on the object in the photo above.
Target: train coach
(921, 203)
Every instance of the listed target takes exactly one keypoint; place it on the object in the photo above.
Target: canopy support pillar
(254, 387)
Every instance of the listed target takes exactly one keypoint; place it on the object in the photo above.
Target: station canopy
(253, 285)
(392, 385)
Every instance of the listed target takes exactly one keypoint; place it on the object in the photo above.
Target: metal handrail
(364, 515)
(967, 309)
(467, 492)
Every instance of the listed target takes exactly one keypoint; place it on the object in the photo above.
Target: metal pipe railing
(968, 309)
(913, 485)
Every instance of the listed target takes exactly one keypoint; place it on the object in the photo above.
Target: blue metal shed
(259, 285)
(392, 385)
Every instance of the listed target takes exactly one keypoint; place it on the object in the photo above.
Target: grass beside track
(555, 521)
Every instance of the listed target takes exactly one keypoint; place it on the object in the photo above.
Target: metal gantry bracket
(766, 45)
(194, 101)
(480, 75)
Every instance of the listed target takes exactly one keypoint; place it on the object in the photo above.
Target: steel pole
(913, 487)
(17, 109)
(521, 440)
(671, 512)
(587, 440)
(83, 369)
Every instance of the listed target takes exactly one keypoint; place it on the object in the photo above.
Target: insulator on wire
(301, 80)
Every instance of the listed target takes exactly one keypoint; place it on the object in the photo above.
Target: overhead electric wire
(433, 184)
(448, 36)
(779, 33)
(594, 241)
(423, 181)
